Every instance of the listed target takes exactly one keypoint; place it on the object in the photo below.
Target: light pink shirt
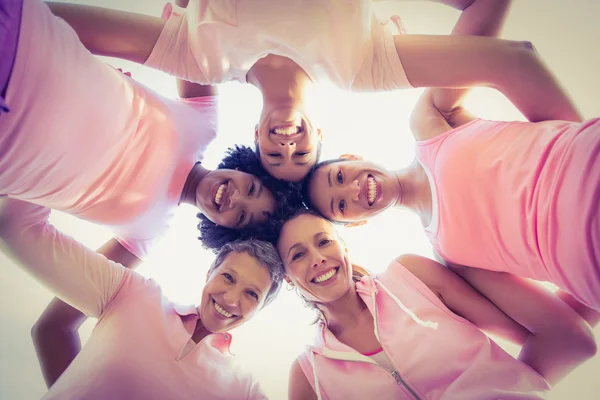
(519, 197)
(336, 41)
(434, 353)
(136, 350)
(87, 140)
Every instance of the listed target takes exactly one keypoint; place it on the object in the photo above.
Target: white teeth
(292, 130)
(372, 188)
(326, 276)
(219, 195)
(222, 311)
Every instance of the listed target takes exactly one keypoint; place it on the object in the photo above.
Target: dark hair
(286, 194)
(262, 251)
(305, 189)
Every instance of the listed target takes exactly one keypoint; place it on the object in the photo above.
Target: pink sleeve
(172, 53)
(76, 274)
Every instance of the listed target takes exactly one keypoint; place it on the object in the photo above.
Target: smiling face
(234, 199)
(315, 259)
(234, 292)
(288, 143)
(352, 190)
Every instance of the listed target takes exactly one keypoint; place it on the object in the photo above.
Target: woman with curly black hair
(287, 197)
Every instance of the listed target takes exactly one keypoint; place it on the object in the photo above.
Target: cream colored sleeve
(76, 274)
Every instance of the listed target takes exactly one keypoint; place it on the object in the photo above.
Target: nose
(235, 199)
(231, 298)
(287, 146)
(352, 190)
(318, 259)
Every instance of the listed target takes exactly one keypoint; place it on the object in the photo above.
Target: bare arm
(55, 335)
(439, 109)
(111, 33)
(299, 387)
(556, 338)
(513, 68)
(589, 314)
(122, 34)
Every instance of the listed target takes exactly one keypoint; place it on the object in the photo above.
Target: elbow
(582, 341)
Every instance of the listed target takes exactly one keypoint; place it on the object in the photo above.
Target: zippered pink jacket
(435, 353)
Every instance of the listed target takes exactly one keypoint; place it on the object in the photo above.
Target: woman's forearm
(514, 68)
(111, 33)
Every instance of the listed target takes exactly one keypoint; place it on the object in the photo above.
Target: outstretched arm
(554, 338)
(513, 68)
(121, 34)
(55, 333)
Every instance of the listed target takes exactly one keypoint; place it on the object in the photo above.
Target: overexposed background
(373, 125)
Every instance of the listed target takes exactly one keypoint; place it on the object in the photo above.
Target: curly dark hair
(287, 194)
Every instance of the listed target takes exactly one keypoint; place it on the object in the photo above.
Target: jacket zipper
(395, 374)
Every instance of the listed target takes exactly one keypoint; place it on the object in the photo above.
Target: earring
(289, 287)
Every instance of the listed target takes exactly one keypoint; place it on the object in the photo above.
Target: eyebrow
(329, 177)
(331, 206)
(302, 163)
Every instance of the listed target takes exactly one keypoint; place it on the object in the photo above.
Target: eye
(297, 256)
(228, 277)
(302, 154)
(242, 217)
(324, 242)
(276, 155)
(253, 294)
(339, 177)
(342, 206)
(252, 189)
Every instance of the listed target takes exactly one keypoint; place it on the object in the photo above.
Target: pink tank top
(434, 353)
(519, 197)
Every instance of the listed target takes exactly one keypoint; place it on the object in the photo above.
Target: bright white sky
(373, 125)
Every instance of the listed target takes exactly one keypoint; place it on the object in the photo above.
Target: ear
(355, 223)
(320, 134)
(288, 280)
(353, 157)
(256, 133)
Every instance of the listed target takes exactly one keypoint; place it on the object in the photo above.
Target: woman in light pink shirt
(144, 346)
(85, 139)
(284, 47)
(416, 330)
(518, 197)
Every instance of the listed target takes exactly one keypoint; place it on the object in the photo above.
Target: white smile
(219, 194)
(372, 190)
(325, 276)
(287, 131)
(222, 311)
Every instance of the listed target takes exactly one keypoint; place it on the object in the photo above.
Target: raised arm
(76, 274)
(121, 34)
(554, 338)
(55, 334)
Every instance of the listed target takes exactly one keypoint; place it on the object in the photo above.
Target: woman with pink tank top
(518, 197)
(416, 330)
(284, 47)
(144, 346)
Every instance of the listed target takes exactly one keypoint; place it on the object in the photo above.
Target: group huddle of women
(504, 204)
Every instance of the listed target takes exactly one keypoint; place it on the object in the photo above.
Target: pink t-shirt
(139, 348)
(341, 42)
(87, 140)
(433, 353)
(519, 197)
